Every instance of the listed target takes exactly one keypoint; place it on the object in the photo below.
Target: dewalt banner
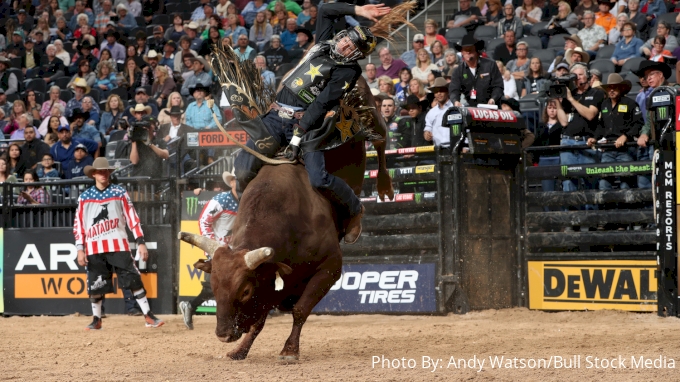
(590, 285)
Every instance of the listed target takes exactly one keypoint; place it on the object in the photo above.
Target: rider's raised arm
(329, 14)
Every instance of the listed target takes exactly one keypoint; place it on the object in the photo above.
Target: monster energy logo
(419, 198)
(564, 170)
(192, 205)
(456, 129)
(662, 112)
(391, 172)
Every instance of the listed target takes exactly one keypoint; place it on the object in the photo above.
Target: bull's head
(243, 282)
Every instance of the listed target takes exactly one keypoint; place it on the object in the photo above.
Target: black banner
(665, 220)
(596, 169)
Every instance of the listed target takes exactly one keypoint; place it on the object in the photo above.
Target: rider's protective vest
(312, 74)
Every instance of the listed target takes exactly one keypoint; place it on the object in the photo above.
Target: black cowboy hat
(469, 40)
(199, 86)
(305, 31)
(413, 100)
(175, 110)
(513, 103)
(78, 113)
(112, 32)
(606, 2)
(652, 65)
(85, 45)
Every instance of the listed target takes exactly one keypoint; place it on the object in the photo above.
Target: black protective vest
(311, 75)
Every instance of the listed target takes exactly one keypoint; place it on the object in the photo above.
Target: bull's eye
(247, 292)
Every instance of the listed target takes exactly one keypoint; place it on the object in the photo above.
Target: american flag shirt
(101, 218)
(218, 217)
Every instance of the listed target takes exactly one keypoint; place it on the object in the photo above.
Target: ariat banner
(591, 285)
(41, 274)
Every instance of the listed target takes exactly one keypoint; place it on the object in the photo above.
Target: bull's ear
(204, 265)
(284, 269)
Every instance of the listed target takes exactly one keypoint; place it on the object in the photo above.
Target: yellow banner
(189, 277)
(425, 169)
(592, 285)
(70, 285)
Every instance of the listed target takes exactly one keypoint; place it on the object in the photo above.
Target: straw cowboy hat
(469, 40)
(81, 83)
(615, 79)
(99, 164)
(151, 54)
(575, 39)
(140, 108)
(228, 177)
(439, 83)
(585, 57)
(652, 65)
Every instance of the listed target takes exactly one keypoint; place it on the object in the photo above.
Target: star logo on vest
(345, 127)
(314, 71)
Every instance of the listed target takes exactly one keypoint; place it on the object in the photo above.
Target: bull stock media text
(480, 363)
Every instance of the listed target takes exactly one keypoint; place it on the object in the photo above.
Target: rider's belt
(286, 112)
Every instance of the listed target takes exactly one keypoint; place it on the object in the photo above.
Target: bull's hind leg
(316, 289)
(241, 351)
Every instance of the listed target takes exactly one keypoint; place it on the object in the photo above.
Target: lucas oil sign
(589, 285)
(375, 288)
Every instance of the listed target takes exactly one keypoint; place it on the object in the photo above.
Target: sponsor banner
(382, 288)
(492, 115)
(41, 274)
(592, 285)
(597, 169)
(190, 278)
(403, 151)
(401, 173)
(419, 197)
(214, 138)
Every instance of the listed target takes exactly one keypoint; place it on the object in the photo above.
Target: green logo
(564, 170)
(391, 172)
(306, 96)
(419, 198)
(662, 112)
(465, 75)
(192, 205)
(456, 129)
(605, 111)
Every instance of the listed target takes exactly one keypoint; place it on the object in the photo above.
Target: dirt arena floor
(345, 348)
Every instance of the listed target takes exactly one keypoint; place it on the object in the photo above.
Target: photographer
(146, 152)
(578, 113)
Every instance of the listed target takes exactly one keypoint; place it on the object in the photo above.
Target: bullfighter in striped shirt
(99, 229)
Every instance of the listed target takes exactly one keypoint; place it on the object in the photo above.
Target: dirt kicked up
(507, 345)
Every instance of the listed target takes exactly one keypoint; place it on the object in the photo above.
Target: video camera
(139, 131)
(559, 85)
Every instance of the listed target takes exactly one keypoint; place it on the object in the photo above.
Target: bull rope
(244, 147)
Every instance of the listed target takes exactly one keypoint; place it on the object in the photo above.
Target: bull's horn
(258, 256)
(208, 245)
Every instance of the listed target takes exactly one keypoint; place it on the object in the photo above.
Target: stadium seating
(605, 52)
(455, 35)
(604, 66)
(111, 149)
(485, 33)
(533, 41)
(632, 64)
(556, 42)
(491, 46)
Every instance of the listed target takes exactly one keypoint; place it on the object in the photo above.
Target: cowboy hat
(513, 103)
(615, 79)
(228, 177)
(585, 57)
(199, 86)
(605, 2)
(99, 164)
(439, 83)
(575, 39)
(469, 40)
(78, 113)
(151, 54)
(652, 65)
(305, 31)
(140, 108)
(202, 61)
(80, 83)
(192, 25)
(175, 110)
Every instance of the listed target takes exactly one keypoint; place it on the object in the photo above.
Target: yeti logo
(98, 283)
(103, 214)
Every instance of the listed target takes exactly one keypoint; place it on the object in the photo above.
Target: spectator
(61, 54)
(18, 108)
(22, 23)
(639, 18)
(62, 30)
(51, 123)
(175, 127)
(409, 57)
(494, 13)
(506, 52)
(401, 87)
(549, 134)
(104, 17)
(386, 85)
(243, 50)
(450, 63)
(23, 120)
(82, 130)
(16, 48)
(290, 6)
(208, 13)
(4, 105)
(8, 81)
(390, 67)
(475, 88)
(38, 40)
(221, 8)
(185, 47)
(32, 107)
(310, 25)
(654, 9)
(187, 65)
(162, 86)
(416, 88)
(563, 20)
(80, 88)
(176, 31)
(198, 114)
(424, 65)
(117, 50)
(535, 78)
(141, 98)
(431, 35)
(276, 55)
(436, 51)
(578, 113)
(604, 17)
(659, 50)
(88, 107)
(434, 131)
(141, 49)
(411, 129)
(5, 175)
(200, 76)
(509, 84)
(132, 76)
(212, 42)
(54, 100)
(550, 9)
(304, 40)
(83, 27)
(75, 167)
(267, 77)
(48, 169)
(192, 32)
(175, 99)
(281, 17)
(231, 10)
(126, 20)
(510, 21)
(520, 65)
(215, 21)
(621, 121)
(113, 112)
(289, 36)
(51, 67)
(105, 56)
(157, 42)
(199, 12)
(85, 54)
(147, 156)
(32, 194)
(585, 5)
(371, 78)
(592, 35)
(261, 32)
(561, 70)
(577, 55)
(62, 151)
(168, 58)
(251, 9)
(529, 14)
(151, 60)
(106, 80)
(388, 111)
(662, 29)
(304, 15)
(467, 17)
(615, 34)
(78, 10)
(31, 57)
(570, 42)
(134, 7)
(15, 165)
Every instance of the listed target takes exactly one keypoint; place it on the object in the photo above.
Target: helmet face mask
(362, 40)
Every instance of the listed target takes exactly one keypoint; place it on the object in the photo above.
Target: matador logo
(192, 205)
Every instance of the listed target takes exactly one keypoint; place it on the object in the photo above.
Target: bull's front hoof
(289, 358)
(237, 355)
